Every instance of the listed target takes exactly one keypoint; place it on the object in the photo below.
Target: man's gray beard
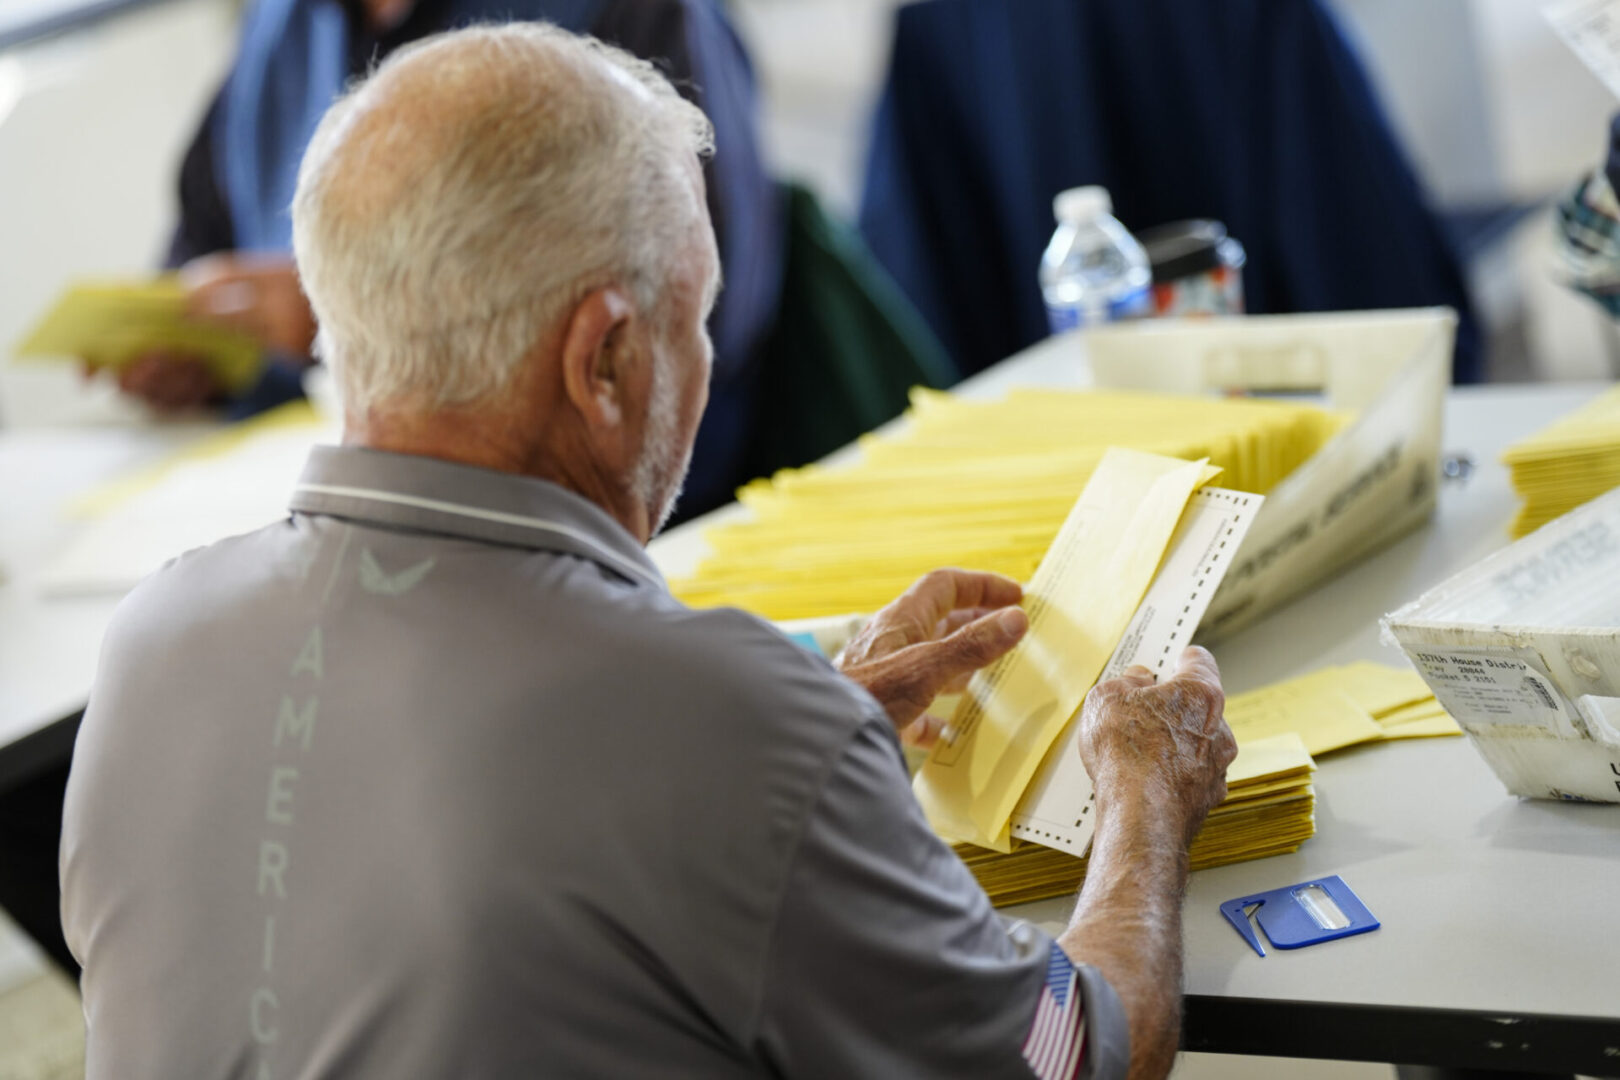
(660, 474)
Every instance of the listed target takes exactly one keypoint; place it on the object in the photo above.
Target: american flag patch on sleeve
(1057, 1036)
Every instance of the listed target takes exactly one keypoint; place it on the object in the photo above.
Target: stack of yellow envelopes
(1269, 810)
(1574, 460)
(983, 485)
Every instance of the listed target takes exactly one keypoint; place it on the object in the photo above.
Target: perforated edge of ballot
(1057, 808)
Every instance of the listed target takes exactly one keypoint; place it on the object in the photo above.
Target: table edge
(1457, 1038)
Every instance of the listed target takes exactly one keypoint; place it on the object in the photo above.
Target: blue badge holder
(805, 640)
(1298, 915)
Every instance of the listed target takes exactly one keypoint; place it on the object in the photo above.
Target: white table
(1497, 945)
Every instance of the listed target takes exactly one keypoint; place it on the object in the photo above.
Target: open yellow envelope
(1079, 603)
(111, 324)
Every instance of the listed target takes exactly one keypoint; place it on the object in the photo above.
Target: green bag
(846, 348)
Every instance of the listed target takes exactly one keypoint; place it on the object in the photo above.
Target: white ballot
(1056, 809)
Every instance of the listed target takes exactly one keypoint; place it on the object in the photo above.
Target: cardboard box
(1523, 648)
(1370, 485)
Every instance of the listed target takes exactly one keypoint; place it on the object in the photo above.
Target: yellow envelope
(1080, 601)
(1423, 727)
(111, 324)
(1379, 688)
(1263, 758)
(1324, 716)
(1420, 710)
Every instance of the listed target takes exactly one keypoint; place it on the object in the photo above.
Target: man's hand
(1164, 743)
(170, 381)
(256, 294)
(1157, 755)
(930, 641)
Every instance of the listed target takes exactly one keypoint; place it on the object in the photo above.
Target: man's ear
(595, 352)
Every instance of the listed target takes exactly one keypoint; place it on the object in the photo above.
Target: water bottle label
(1066, 317)
(1132, 305)
(1063, 317)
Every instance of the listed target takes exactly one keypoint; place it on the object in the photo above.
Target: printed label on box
(1493, 688)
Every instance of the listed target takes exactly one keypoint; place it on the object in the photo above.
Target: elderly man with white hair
(434, 778)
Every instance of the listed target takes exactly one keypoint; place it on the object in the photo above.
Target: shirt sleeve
(888, 960)
(1588, 223)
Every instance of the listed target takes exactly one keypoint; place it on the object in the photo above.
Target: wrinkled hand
(258, 294)
(1167, 742)
(930, 641)
(170, 381)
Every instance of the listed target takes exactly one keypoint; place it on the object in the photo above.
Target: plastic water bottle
(1093, 271)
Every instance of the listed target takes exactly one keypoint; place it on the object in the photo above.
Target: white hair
(659, 473)
(462, 199)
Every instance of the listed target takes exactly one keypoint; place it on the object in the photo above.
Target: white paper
(1591, 28)
(1056, 808)
(1493, 687)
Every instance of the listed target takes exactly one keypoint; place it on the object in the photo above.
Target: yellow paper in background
(111, 324)
(1080, 601)
(1423, 727)
(1336, 707)
(1421, 710)
(1571, 461)
(1422, 720)
(980, 484)
(1379, 688)
(1324, 716)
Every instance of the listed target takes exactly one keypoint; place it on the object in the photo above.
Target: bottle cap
(1078, 204)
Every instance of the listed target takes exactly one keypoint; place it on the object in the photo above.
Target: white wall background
(89, 152)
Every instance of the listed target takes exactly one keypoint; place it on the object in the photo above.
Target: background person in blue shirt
(233, 241)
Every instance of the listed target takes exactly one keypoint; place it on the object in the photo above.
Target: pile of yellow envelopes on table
(1124, 583)
(1572, 461)
(1269, 810)
(1270, 803)
(978, 484)
(112, 324)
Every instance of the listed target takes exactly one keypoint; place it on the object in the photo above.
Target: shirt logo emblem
(374, 580)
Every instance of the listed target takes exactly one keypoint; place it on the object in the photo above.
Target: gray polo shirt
(435, 779)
